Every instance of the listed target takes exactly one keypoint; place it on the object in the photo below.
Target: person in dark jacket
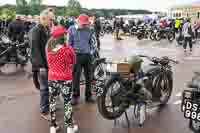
(38, 39)
(80, 37)
(16, 30)
(118, 26)
(97, 28)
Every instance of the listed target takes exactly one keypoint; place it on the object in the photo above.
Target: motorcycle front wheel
(171, 37)
(108, 109)
(139, 36)
(164, 84)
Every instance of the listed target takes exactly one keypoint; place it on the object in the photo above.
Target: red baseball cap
(58, 31)
(83, 19)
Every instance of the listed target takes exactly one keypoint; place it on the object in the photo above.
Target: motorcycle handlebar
(158, 60)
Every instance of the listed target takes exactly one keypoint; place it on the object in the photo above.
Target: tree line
(72, 8)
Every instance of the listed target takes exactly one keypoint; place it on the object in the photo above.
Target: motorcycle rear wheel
(158, 37)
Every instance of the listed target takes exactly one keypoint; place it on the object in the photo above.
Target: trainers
(190, 51)
(54, 129)
(73, 129)
(46, 116)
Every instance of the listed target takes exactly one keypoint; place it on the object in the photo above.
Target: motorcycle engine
(142, 90)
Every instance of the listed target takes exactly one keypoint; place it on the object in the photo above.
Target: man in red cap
(80, 38)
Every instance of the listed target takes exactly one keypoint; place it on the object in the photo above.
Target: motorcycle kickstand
(128, 122)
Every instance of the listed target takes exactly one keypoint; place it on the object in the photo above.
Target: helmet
(135, 63)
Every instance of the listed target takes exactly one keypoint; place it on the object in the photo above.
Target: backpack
(190, 32)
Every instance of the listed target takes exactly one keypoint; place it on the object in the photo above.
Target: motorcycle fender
(153, 71)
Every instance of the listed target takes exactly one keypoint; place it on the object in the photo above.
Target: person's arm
(35, 46)
(70, 37)
(10, 30)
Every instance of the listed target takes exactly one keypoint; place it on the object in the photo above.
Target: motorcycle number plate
(98, 88)
(155, 30)
(192, 110)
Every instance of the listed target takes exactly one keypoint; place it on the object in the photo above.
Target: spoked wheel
(194, 126)
(109, 102)
(164, 83)
(158, 36)
(171, 37)
(100, 72)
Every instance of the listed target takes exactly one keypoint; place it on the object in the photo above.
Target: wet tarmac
(19, 100)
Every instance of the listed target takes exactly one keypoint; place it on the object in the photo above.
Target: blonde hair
(51, 44)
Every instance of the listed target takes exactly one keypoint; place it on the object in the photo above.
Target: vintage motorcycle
(14, 52)
(142, 88)
(191, 103)
(165, 34)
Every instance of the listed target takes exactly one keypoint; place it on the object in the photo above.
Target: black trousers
(98, 40)
(186, 41)
(83, 62)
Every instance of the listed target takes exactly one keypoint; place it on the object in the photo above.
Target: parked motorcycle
(13, 52)
(147, 88)
(165, 34)
(133, 30)
(142, 33)
(107, 27)
(191, 103)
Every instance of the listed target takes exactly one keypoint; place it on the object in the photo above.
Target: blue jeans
(44, 91)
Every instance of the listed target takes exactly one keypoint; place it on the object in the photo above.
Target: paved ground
(19, 101)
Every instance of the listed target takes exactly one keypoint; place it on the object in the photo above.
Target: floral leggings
(65, 88)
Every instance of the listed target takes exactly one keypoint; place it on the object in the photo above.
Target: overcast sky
(127, 4)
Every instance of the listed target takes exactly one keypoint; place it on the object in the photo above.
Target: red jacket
(60, 63)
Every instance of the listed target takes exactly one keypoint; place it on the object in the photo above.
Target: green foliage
(22, 7)
(25, 8)
(35, 7)
(73, 8)
(7, 13)
(60, 11)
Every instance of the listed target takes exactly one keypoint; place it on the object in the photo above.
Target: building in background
(188, 10)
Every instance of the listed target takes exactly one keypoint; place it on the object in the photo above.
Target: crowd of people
(59, 52)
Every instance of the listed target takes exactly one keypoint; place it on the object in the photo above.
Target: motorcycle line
(155, 33)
